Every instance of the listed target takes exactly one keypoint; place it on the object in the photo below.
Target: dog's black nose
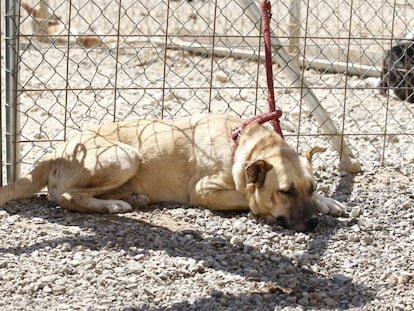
(282, 221)
(312, 223)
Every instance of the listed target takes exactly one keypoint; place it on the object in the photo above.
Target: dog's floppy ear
(256, 172)
(309, 154)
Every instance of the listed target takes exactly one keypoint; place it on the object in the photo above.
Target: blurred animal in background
(397, 73)
(48, 27)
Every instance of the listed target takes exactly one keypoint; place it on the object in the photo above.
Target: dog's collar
(235, 134)
(261, 118)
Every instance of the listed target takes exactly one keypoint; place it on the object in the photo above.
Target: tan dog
(48, 27)
(190, 161)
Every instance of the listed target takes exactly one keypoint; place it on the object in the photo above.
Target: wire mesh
(82, 62)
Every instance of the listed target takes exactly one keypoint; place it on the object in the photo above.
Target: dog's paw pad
(118, 206)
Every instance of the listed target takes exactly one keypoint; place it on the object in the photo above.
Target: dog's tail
(27, 185)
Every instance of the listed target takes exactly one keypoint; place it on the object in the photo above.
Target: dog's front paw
(328, 206)
(117, 206)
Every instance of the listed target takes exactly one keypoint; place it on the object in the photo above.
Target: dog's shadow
(341, 193)
(278, 272)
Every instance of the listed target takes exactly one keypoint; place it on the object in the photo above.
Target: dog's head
(281, 188)
(279, 183)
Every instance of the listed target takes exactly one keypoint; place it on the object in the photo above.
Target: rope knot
(273, 116)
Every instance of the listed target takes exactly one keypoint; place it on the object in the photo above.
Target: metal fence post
(12, 129)
(1, 99)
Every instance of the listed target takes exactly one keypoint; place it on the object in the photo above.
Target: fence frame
(11, 22)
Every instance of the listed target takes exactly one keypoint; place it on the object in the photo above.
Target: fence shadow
(106, 234)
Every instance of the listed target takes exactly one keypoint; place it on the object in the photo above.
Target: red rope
(260, 118)
(273, 115)
(266, 16)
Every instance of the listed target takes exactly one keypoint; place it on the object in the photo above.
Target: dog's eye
(287, 192)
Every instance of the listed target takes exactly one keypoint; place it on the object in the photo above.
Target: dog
(49, 27)
(398, 70)
(193, 161)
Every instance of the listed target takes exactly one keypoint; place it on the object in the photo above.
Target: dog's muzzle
(310, 224)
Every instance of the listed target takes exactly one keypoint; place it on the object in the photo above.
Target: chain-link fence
(70, 64)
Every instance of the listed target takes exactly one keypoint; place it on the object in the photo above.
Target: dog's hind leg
(127, 193)
(85, 202)
(77, 183)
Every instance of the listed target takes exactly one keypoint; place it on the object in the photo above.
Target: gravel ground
(170, 257)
